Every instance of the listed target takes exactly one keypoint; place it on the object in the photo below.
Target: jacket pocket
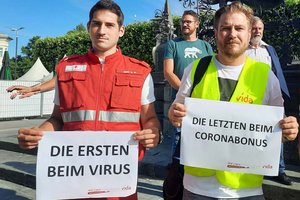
(71, 90)
(127, 91)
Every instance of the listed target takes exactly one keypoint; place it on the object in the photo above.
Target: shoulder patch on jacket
(139, 62)
(70, 57)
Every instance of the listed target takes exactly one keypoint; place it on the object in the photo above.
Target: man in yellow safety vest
(229, 74)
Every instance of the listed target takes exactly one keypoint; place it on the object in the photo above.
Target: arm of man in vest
(29, 137)
(172, 78)
(149, 136)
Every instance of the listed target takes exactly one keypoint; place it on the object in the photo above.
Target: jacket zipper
(99, 94)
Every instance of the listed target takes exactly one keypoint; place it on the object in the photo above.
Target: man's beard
(255, 40)
(234, 52)
(187, 31)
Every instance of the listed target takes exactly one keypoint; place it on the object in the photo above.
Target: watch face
(161, 137)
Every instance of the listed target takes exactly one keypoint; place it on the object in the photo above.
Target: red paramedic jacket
(101, 97)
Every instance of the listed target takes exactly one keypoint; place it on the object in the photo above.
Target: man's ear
(198, 24)
(122, 31)
(88, 26)
(215, 33)
(249, 36)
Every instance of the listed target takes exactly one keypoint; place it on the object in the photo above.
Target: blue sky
(56, 17)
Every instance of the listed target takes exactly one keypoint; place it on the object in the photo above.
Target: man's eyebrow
(101, 22)
(95, 21)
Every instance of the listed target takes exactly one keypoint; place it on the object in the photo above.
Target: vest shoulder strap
(200, 71)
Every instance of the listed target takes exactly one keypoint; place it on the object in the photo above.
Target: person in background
(230, 69)
(261, 51)
(298, 146)
(180, 52)
(24, 91)
(123, 83)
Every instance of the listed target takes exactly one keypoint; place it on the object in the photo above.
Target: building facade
(4, 40)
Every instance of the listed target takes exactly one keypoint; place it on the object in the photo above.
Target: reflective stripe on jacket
(252, 84)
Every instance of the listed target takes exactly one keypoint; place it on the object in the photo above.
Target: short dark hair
(108, 5)
(235, 7)
(192, 13)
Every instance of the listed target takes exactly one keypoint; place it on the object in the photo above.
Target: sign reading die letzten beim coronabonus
(231, 136)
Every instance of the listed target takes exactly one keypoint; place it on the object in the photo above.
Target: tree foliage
(292, 2)
(281, 31)
(50, 50)
(26, 61)
(78, 29)
(138, 41)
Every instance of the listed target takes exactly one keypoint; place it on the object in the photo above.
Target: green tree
(52, 49)
(281, 32)
(292, 2)
(138, 41)
(78, 28)
(27, 60)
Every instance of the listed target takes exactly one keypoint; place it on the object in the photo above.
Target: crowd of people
(127, 96)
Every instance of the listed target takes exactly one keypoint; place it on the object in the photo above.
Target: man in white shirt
(261, 51)
(102, 90)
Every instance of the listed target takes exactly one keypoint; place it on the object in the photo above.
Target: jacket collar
(111, 58)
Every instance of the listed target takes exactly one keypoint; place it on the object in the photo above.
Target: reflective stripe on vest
(107, 116)
(252, 83)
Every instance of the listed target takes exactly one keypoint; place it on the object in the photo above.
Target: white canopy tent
(37, 72)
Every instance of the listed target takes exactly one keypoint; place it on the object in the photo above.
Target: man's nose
(101, 29)
(233, 32)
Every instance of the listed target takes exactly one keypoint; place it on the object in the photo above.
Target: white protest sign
(231, 136)
(86, 165)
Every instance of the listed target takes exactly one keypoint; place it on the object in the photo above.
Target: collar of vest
(108, 59)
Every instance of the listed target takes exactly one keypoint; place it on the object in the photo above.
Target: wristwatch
(161, 137)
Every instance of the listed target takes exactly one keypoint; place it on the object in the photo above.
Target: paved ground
(15, 165)
(148, 189)
(19, 167)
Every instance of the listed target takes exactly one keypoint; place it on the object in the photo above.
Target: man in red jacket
(102, 90)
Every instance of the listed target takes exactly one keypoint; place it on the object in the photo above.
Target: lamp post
(16, 55)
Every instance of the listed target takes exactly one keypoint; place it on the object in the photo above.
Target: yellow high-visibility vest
(250, 88)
